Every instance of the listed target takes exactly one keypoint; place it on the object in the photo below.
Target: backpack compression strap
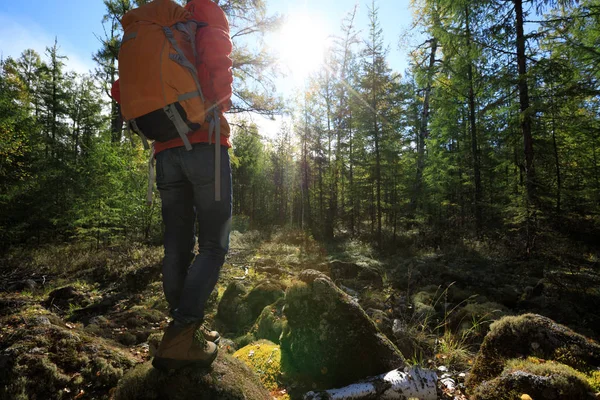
(180, 58)
(151, 177)
(215, 126)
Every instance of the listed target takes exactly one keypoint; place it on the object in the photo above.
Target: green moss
(264, 358)
(244, 340)
(593, 380)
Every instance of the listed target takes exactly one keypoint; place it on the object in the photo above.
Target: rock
(42, 361)
(328, 338)
(537, 380)
(423, 303)
(264, 293)
(476, 318)
(27, 284)
(40, 320)
(506, 295)
(355, 274)
(233, 312)
(409, 344)
(531, 334)
(239, 309)
(226, 379)
(227, 346)
(382, 321)
(64, 297)
(270, 322)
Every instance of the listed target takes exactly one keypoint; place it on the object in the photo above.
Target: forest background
(490, 136)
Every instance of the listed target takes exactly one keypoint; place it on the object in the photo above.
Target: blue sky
(76, 23)
(35, 23)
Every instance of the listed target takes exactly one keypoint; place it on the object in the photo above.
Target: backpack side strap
(182, 128)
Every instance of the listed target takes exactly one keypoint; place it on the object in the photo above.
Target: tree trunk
(422, 134)
(473, 129)
(416, 383)
(557, 163)
(525, 118)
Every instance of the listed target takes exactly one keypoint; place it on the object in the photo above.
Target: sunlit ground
(300, 46)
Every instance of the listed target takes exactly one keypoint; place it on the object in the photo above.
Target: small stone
(535, 346)
(442, 368)
(449, 383)
(36, 350)
(30, 284)
(41, 320)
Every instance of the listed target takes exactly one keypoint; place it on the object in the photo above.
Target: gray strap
(217, 122)
(137, 130)
(180, 125)
(181, 59)
(190, 29)
(151, 177)
(187, 96)
(128, 36)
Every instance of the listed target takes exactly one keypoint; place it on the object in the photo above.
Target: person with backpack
(174, 85)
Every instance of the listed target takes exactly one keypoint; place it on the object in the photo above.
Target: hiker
(196, 195)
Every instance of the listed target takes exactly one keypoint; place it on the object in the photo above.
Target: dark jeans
(186, 181)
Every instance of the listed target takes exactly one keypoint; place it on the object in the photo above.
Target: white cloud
(18, 35)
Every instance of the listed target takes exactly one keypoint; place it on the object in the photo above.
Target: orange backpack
(161, 97)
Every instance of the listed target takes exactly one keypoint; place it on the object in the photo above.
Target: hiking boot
(181, 347)
(211, 336)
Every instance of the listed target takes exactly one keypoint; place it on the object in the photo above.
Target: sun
(300, 45)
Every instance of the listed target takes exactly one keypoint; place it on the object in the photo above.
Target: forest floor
(74, 318)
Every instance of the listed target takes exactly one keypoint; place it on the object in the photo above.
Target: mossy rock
(226, 379)
(474, 319)
(244, 340)
(270, 322)
(354, 274)
(329, 340)
(538, 379)
(382, 321)
(64, 298)
(264, 358)
(45, 359)
(264, 293)
(506, 295)
(233, 312)
(423, 303)
(239, 309)
(531, 335)
(129, 327)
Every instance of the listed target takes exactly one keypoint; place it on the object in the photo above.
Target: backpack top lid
(161, 12)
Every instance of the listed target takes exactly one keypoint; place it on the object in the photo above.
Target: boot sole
(167, 364)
